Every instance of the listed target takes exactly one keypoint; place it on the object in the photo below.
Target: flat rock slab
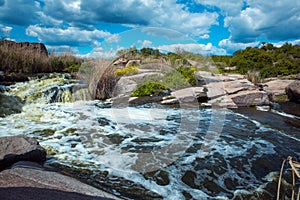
(21, 183)
(189, 95)
(277, 86)
(20, 148)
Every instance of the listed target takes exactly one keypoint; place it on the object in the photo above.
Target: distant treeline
(268, 60)
(31, 58)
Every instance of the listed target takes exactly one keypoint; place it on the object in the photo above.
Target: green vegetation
(268, 60)
(189, 74)
(149, 89)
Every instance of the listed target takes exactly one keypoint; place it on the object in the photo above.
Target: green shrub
(148, 89)
(189, 75)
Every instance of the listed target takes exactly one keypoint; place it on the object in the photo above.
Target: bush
(149, 89)
(189, 75)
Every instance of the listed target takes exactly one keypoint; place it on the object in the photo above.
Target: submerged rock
(20, 148)
(9, 105)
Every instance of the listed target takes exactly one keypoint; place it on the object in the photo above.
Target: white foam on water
(285, 114)
(127, 134)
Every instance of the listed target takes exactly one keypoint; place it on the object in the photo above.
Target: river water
(154, 151)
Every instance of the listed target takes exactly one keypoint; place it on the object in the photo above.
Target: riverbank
(23, 176)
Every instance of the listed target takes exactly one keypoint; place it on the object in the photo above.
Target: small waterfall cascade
(50, 88)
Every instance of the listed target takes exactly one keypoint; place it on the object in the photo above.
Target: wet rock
(103, 121)
(42, 184)
(189, 179)
(9, 105)
(161, 177)
(293, 91)
(2, 88)
(144, 100)
(20, 148)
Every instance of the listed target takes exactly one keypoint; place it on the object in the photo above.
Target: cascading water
(51, 88)
(152, 151)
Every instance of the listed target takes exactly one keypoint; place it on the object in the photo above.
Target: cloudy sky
(99, 28)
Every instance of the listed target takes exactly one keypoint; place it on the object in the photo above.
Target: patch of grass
(254, 77)
(189, 75)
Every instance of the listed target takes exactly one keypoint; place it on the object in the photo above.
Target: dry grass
(25, 60)
(100, 76)
(295, 166)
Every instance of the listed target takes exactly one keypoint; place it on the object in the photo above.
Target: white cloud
(205, 36)
(203, 49)
(71, 36)
(232, 46)
(99, 52)
(48, 20)
(293, 42)
(113, 39)
(168, 14)
(229, 7)
(276, 20)
(5, 30)
(145, 43)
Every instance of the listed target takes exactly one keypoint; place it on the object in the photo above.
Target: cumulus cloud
(5, 30)
(233, 46)
(99, 52)
(145, 43)
(19, 12)
(71, 36)
(203, 49)
(228, 7)
(113, 38)
(157, 13)
(205, 36)
(276, 20)
(293, 42)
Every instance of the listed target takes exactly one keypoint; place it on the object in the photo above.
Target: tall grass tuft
(254, 77)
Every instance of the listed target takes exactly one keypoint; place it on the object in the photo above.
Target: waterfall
(50, 88)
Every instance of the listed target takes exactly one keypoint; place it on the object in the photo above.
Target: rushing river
(153, 151)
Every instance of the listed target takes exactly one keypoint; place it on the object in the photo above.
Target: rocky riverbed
(152, 151)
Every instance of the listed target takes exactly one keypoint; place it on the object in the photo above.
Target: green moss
(282, 98)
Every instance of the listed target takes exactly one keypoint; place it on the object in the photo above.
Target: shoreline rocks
(20, 148)
(293, 91)
(22, 175)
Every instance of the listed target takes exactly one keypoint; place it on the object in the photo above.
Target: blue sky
(98, 28)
